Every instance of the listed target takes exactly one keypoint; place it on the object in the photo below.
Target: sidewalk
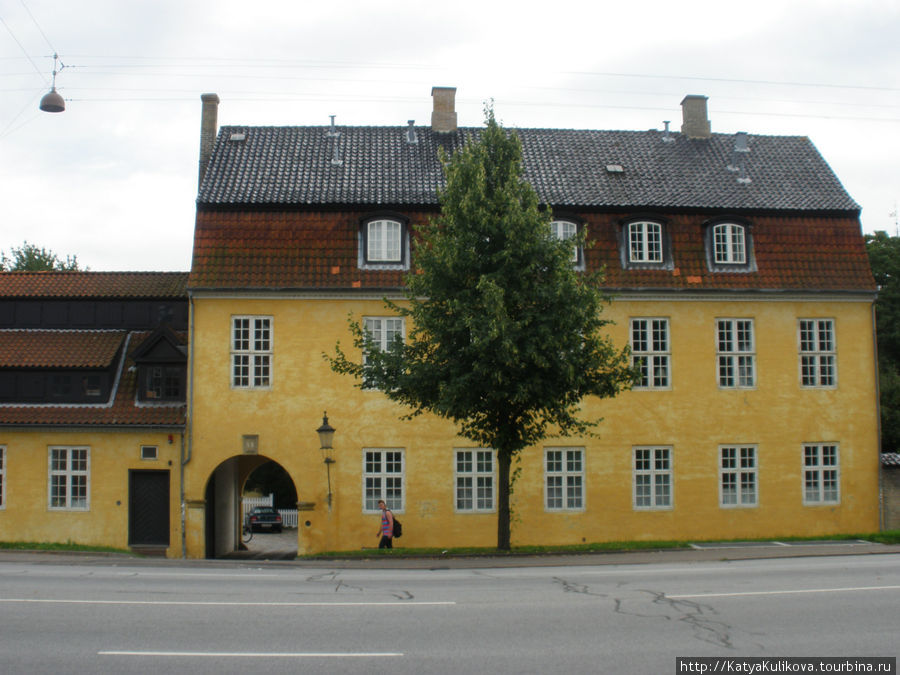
(705, 552)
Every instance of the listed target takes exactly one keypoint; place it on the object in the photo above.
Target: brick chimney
(443, 116)
(695, 120)
(209, 120)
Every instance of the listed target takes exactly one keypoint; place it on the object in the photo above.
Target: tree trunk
(504, 459)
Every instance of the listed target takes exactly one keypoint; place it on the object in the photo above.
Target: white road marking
(279, 655)
(227, 604)
(787, 592)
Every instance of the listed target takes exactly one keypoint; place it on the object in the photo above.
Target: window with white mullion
(564, 479)
(251, 352)
(69, 470)
(475, 480)
(737, 476)
(821, 474)
(383, 479)
(817, 353)
(736, 353)
(650, 352)
(730, 244)
(645, 242)
(384, 241)
(565, 229)
(382, 331)
(652, 478)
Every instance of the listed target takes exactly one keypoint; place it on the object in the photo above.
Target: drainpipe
(185, 458)
(878, 420)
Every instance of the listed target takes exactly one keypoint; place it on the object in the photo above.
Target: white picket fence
(288, 516)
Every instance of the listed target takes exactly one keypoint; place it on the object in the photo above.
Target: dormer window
(384, 243)
(729, 244)
(645, 242)
(566, 229)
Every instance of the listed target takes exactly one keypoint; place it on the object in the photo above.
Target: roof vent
(411, 133)
(237, 137)
(332, 130)
(738, 163)
(615, 168)
(667, 136)
(336, 145)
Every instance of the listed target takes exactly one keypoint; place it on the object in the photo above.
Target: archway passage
(247, 478)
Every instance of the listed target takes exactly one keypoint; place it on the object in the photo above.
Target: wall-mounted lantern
(326, 438)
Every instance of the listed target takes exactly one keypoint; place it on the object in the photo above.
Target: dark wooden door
(148, 508)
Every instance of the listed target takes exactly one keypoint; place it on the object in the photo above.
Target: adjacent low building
(92, 408)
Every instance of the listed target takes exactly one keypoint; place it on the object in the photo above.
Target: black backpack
(398, 528)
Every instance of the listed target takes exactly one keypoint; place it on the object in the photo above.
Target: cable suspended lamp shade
(52, 101)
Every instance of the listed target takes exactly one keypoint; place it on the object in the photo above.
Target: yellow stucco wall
(693, 418)
(26, 515)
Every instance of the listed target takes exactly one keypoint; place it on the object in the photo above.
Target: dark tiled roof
(132, 285)
(890, 459)
(58, 348)
(123, 412)
(293, 249)
(568, 168)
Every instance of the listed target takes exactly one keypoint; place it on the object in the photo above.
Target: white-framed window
(383, 478)
(736, 352)
(384, 330)
(645, 242)
(565, 229)
(650, 352)
(2, 477)
(652, 478)
(149, 452)
(475, 472)
(821, 474)
(737, 476)
(729, 244)
(251, 352)
(69, 478)
(384, 241)
(818, 366)
(564, 479)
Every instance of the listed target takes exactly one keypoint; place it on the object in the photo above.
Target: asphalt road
(122, 617)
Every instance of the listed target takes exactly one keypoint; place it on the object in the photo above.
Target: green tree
(32, 258)
(505, 336)
(884, 257)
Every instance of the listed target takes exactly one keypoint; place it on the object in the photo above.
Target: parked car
(264, 519)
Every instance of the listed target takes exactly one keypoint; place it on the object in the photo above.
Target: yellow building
(92, 408)
(741, 282)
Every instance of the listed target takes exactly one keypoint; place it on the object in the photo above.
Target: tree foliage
(33, 258)
(506, 338)
(884, 257)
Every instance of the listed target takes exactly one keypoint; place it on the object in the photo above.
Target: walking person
(386, 532)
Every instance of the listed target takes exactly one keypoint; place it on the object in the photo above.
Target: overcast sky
(113, 179)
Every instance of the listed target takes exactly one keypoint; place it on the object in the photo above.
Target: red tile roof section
(123, 413)
(58, 349)
(275, 249)
(93, 284)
